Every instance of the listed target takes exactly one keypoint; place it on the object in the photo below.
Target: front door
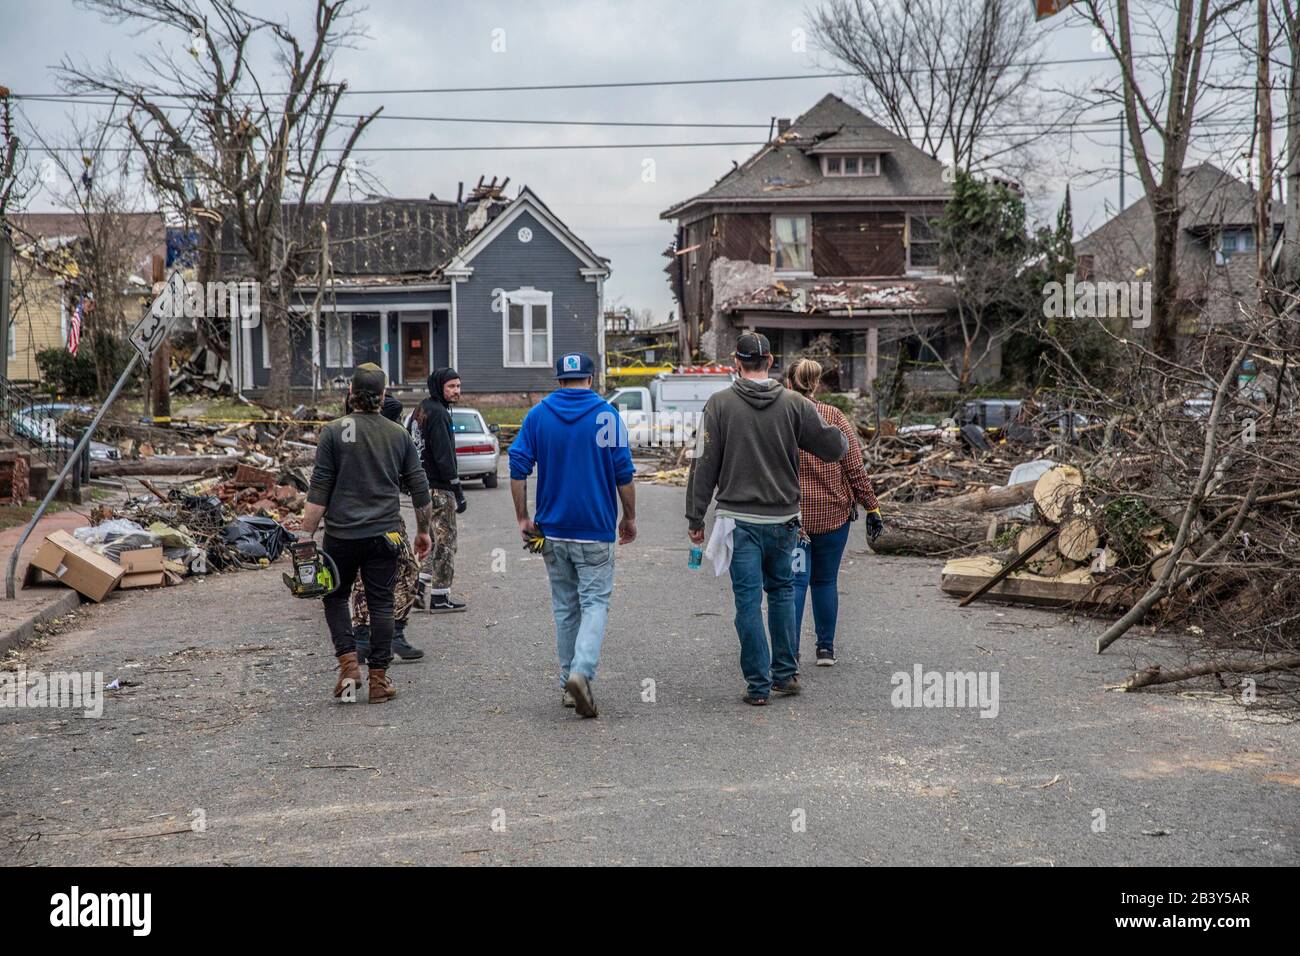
(415, 352)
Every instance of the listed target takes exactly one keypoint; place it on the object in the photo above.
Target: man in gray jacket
(748, 449)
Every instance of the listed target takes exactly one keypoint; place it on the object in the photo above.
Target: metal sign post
(146, 336)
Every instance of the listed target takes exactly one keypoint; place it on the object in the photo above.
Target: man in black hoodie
(430, 427)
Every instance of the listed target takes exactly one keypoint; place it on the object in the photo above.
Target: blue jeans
(761, 562)
(582, 578)
(818, 564)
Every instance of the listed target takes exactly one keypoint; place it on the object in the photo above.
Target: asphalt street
(224, 746)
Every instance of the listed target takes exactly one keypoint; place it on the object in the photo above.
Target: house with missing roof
(827, 232)
(497, 288)
(1215, 254)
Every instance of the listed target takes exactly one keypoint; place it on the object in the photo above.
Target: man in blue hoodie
(579, 445)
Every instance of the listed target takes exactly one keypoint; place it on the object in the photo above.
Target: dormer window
(851, 164)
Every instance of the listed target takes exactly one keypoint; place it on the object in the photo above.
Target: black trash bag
(255, 537)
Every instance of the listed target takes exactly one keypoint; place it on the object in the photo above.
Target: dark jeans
(761, 562)
(818, 564)
(376, 560)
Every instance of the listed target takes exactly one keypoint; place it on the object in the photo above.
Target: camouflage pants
(408, 579)
(440, 565)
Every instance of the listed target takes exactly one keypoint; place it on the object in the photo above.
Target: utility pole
(1121, 162)
(5, 246)
(160, 367)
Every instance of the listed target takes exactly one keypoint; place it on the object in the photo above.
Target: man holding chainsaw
(363, 461)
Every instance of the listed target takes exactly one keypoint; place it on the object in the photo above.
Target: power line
(619, 84)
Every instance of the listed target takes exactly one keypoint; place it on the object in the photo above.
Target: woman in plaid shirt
(830, 493)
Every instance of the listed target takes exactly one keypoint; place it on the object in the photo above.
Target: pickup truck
(673, 401)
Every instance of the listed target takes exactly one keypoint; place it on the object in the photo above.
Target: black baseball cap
(752, 345)
(574, 365)
(369, 377)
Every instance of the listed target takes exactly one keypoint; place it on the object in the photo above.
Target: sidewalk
(19, 617)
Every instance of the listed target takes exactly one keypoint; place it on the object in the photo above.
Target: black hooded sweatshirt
(430, 427)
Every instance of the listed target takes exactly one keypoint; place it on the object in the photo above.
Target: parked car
(684, 391)
(39, 424)
(477, 449)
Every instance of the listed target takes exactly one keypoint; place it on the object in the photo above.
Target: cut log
(190, 465)
(1055, 489)
(1078, 538)
(991, 499)
(1030, 536)
(929, 530)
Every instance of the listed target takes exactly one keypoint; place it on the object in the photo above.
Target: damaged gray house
(494, 286)
(826, 233)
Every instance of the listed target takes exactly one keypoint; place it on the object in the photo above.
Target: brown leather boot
(349, 670)
(381, 688)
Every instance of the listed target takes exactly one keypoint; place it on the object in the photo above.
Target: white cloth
(720, 544)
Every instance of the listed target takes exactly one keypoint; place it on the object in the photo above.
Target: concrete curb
(68, 600)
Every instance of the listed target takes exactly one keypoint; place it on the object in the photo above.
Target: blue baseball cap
(574, 365)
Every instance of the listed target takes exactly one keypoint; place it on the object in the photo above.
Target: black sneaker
(789, 688)
(583, 700)
(404, 650)
(443, 602)
(825, 657)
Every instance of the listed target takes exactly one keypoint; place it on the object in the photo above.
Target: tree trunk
(1164, 312)
(935, 531)
(275, 321)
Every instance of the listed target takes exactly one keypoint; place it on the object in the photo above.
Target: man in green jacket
(363, 463)
(747, 449)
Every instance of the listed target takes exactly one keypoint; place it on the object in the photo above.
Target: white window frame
(344, 327)
(865, 160)
(530, 299)
(786, 271)
(928, 242)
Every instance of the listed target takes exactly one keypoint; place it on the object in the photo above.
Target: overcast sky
(601, 194)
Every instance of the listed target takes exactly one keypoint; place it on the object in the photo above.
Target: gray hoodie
(748, 448)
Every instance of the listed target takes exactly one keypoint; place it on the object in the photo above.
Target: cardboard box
(142, 560)
(145, 579)
(77, 566)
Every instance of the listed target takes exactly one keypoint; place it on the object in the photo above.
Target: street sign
(166, 308)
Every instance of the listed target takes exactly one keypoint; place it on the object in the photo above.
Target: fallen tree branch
(1154, 675)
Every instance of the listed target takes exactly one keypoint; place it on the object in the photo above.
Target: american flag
(74, 326)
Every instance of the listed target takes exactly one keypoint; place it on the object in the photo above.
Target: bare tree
(949, 77)
(268, 162)
(1160, 93)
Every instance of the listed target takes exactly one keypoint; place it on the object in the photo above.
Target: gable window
(526, 328)
(922, 242)
(791, 249)
(338, 340)
(865, 164)
(1234, 241)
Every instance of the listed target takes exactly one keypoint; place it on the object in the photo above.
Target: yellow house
(46, 276)
(42, 270)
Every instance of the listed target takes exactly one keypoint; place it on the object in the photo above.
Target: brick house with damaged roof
(827, 230)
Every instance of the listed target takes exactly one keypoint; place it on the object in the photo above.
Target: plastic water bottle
(696, 558)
